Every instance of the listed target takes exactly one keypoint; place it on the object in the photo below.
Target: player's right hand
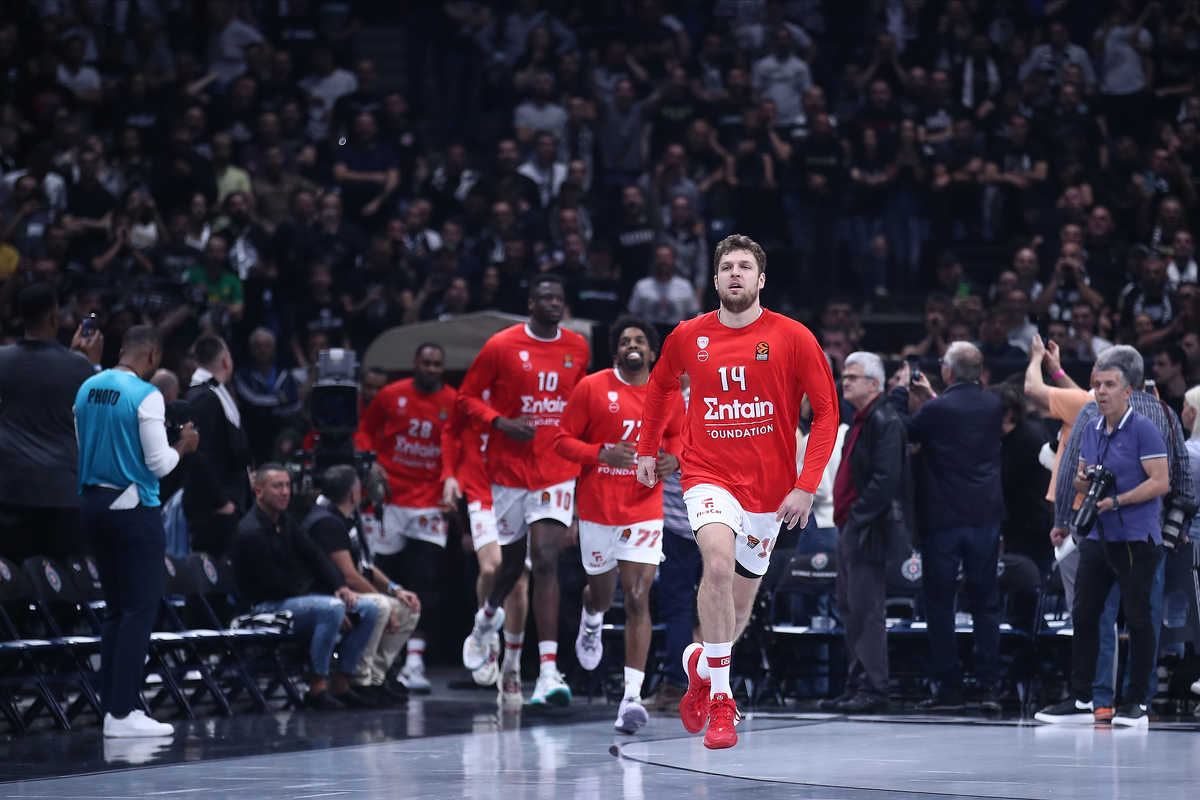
(517, 429)
(188, 438)
(645, 470)
(623, 455)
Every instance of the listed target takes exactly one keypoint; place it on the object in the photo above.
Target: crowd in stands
(989, 172)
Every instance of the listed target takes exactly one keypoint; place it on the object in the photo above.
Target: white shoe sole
(1126, 722)
(559, 697)
(632, 719)
(1072, 719)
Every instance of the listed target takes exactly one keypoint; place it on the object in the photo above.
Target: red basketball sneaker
(722, 716)
(693, 708)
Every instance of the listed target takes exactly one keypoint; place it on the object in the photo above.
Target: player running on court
(472, 477)
(408, 424)
(530, 371)
(749, 370)
(620, 520)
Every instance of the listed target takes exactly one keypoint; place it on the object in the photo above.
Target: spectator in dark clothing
(216, 493)
(321, 310)
(364, 100)
(39, 454)
(269, 395)
(181, 173)
(89, 210)
(1024, 482)
(872, 508)
(596, 294)
(634, 235)
(993, 336)
(366, 171)
(959, 510)
(279, 568)
(295, 240)
(515, 275)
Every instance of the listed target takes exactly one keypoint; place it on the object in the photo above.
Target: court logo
(170, 566)
(52, 577)
(820, 561)
(762, 351)
(568, 362)
(625, 534)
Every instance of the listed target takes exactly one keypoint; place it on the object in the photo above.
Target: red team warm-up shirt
(410, 431)
(747, 384)
(471, 469)
(605, 410)
(528, 377)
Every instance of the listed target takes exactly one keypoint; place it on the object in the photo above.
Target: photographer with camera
(216, 491)
(123, 452)
(1123, 468)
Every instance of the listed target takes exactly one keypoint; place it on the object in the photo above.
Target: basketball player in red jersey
(749, 370)
(530, 370)
(408, 425)
(620, 521)
(472, 477)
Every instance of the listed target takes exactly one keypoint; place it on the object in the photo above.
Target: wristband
(392, 587)
(1058, 374)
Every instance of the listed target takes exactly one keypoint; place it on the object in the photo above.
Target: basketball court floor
(455, 745)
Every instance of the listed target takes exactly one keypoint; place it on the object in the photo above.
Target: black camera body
(1180, 511)
(178, 414)
(1102, 479)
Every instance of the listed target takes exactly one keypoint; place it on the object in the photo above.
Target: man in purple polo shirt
(1123, 546)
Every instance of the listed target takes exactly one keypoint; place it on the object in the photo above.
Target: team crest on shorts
(170, 566)
(52, 577)
(753, 542)
(761, 351)
(545, 498)
(568, 361)
(820, 561)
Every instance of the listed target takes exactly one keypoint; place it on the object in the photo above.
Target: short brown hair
(738, 242)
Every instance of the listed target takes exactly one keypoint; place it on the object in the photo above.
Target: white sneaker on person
(589, 648)
(510, 696)
(476, 646)
(631, 716)
(1196, 687)
(489, 673)
(413, 678)
(1068, 712)
(551, 690)
(135, 724)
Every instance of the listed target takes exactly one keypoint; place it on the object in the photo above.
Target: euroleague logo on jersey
(761, 351)
(612, 402)
(524, 356)
(568, 362)
(702, 342)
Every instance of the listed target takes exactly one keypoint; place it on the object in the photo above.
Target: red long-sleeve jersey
(603, 411)
(747, 385)
(471, 468)
(410, 431)
(528, 377)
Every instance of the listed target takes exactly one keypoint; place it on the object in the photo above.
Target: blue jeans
(1104, 687)
(678, 579)
(321, 615)
(977, 548)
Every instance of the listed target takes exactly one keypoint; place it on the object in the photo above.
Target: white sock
(633, 683)
(485, 613)
(513, 643)
(416, 652)
(702, 667)
(593, 620)
(718, 655)
(548, 656)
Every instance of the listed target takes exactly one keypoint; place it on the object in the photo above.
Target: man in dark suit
(959, 510)
(216, 488)
(872, 508)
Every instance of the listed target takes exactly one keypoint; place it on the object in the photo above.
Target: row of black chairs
(51, 621)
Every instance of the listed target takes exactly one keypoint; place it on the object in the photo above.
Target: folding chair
(21, 659)
(215, 581)
(183, 648)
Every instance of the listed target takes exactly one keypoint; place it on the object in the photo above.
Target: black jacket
(957, 471)
(39, 454)
(216, 472)
(882, 515)
(277, 562)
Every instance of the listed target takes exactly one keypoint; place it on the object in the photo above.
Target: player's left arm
(816, 381)
(451, 444)
(668, 457)
(373, 419)
(663, 387)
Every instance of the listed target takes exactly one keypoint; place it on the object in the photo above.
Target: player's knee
(719, 572)
(637, 604)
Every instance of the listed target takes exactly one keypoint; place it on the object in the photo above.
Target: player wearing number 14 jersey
(530, 371)
(620, 520)
(749, 370)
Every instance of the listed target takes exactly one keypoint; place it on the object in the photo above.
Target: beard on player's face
(634, 360)
(737, 303)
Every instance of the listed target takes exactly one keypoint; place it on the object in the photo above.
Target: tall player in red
(530, 371)
(620, 521)
(408, 425)
(472, 477)
(749, 370)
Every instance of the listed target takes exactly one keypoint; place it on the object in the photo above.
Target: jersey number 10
(547, 381)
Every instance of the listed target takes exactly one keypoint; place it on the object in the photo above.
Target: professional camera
(1102, 479)
(178, 414)
(333, 407)
(1180, 510)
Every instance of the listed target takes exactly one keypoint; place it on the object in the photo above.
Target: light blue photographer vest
(110, 446)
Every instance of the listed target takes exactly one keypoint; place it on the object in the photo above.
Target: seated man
(278, 568)
(335, 525)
